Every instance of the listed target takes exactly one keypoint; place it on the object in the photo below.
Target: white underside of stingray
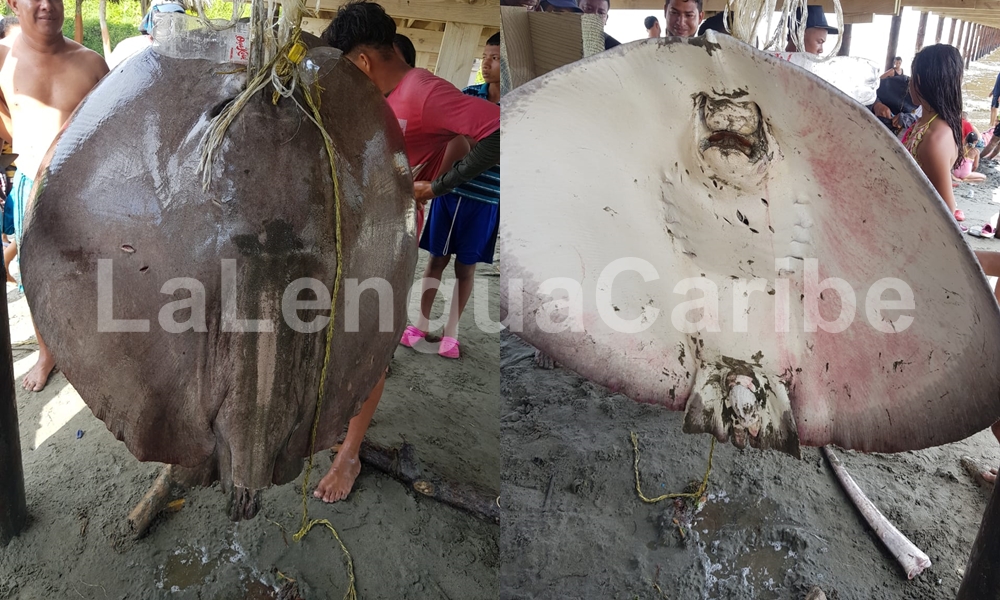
(671, 209)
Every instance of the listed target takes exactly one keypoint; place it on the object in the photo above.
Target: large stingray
(653, 178)
(119, 200)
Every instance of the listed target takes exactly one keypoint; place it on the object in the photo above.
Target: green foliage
(123, 18)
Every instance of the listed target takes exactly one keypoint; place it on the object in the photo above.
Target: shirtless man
(43, 77)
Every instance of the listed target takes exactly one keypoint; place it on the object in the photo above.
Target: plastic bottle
(183, 36)
(317, 63)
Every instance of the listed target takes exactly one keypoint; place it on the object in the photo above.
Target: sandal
(411, 336)
(448, 348)
(959, 215)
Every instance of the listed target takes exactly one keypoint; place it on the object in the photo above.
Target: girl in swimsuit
(934, 140)
(970, 161)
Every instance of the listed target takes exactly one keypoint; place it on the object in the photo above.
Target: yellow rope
(306, 523)
(693, 495)
(281, 72)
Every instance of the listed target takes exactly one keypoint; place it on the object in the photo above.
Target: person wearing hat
(817, 30)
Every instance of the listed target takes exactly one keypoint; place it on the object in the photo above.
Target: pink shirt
(431, 112)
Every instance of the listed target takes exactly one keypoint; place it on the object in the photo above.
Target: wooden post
(845, 41)
(982, 577)
(459, 48)
(921, 30)
(940, 30)
(961, 30)
(13, 507)
(951, 33)
(78, 23)
(893, 40)
(967, 52)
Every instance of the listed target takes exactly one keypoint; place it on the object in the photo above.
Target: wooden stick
(401, 463)
(151, 504)
(13, 506)
(911, 558)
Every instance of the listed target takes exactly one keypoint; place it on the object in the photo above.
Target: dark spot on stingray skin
(279, 238)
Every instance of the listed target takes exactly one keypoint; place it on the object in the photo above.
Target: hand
(422, 192)
(881, 110)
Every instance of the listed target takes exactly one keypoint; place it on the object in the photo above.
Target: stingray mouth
(733, 128)
(730, 140)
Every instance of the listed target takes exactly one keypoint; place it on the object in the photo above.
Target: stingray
(697, 224)
(172, 309)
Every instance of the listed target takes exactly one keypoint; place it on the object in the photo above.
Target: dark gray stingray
(121, 183)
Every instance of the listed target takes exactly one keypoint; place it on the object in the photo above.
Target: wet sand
(772, 527)
(404, 545)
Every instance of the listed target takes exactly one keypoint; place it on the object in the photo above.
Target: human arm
(887, 74)
(881, 110)
(482, 157)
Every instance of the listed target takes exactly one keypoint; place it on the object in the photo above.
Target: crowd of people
(452, 140)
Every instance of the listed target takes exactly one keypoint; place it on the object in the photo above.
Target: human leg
(339, 480)
(465, 274)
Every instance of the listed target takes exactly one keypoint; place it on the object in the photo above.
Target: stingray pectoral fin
(733, 399)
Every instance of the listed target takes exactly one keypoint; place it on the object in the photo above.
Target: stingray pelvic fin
(735, 399)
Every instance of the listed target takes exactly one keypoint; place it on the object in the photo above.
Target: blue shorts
(461, 226)
(8, 215)
(18, 199)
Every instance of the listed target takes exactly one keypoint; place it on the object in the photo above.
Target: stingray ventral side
(714, 241)
(120, 228)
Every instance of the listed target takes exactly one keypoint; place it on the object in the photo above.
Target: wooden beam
(940, 29)
(890, 56)
(951, 35)
(475, 12)
(13, 506)
(921, 30)
(858, 18)
(459, 48)
(958, 40)
(424, 40)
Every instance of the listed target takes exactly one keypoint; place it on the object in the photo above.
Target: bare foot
(544, 361)
(980, 472)
(339, 480)
(38, 376)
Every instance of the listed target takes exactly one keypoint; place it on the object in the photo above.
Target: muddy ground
(772, 526)
(404, 545)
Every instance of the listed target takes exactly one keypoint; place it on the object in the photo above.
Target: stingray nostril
(128, 248)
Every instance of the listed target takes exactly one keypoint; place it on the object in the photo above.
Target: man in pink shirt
(431, 112)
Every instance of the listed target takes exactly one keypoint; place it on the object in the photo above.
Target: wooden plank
(459, 49)
(940, 29)
(476, 12)
(859, 18)
(424, 40)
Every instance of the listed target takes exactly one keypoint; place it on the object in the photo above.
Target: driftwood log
(402, 464)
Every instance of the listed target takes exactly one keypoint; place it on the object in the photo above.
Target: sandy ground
(771, 527)
(404, 545)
